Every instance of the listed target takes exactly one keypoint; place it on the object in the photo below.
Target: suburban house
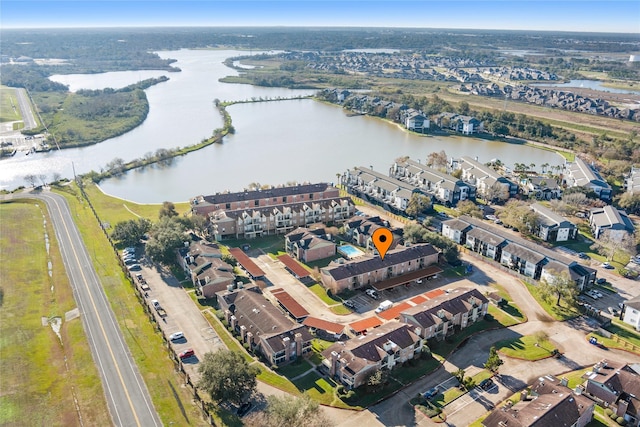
(309, 245)
(466, 125)
(550, 403)
(580, 174)
(632, 182)
(281, 219)
(524, 257)
(486, 179)
(378, 188)
(617, 386)
(553, 227)
(410, 262)
(541, 187)
(202, 262)
(631, 312)
(444, 315)
(359, 230)
(352, 362)
(264, 327)
(611, 220)
(444, 187)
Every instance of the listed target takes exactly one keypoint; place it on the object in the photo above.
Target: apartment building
(579, 174)
(487, 181)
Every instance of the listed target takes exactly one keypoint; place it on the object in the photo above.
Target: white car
(373, 294)
(176, 336)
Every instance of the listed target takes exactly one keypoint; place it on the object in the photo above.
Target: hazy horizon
(562, 16)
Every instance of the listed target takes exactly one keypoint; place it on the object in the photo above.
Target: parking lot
(180, 314)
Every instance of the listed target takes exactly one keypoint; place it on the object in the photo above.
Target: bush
(488, 317)
(621, 421)
(613, 416)
(340, 389)
(608, 412)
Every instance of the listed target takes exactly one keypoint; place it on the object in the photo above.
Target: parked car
(606, 265)
(129, 249)
(612, 311)
(350, 304)
(597, 293)
(134, 267)
(601, 281)
(620, 305)
(372, 293)
(155, 303)
(176, 336)
(582, 255)
(244, 409)
(430, 393)
(486, 384)
(186, 354)
(130, 261)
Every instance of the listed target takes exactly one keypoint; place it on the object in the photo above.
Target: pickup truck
(158, 308)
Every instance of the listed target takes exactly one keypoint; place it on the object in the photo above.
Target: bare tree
(31, 179)
(437, 160)
(608, 245)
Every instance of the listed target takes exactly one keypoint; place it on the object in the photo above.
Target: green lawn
(444, 348)
(624, 331)
(560, 313)
(268, 244)
(503, 318)
(9, 108)
(321, 390)
(482, 375)
(525, 348)
(575, 377)
(415, 369)
(321, 293)
(610, 343)
(42, 378)
(294, 369)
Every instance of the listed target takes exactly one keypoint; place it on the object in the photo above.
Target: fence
(153, 316)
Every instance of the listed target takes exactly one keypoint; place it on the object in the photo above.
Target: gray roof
(633, 303)
(260, 194)
(384, 181)
(611, 217)
(484, 169)
(486, 236)
(457, 224)
(584, 174)
(371, 263)
(550, 218)
(523, 253)
(433, 175)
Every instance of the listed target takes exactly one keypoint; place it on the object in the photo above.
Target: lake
(588, 84)
(275, 142)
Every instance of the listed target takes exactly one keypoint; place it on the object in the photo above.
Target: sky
(562, 15)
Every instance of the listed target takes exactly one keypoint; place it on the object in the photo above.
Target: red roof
(434, 293)
(418, 299)
(294, 266)
(290, 304)
(314, 322)
(394, 311)
(364, 324)
(246, 263)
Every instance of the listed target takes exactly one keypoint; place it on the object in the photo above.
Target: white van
(384, 305)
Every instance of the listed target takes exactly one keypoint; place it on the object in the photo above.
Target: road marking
(99, 318)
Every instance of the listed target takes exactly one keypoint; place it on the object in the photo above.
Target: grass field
(560, 313)
(8, 101)
(36, 387)
(526, 347)
(144, 343)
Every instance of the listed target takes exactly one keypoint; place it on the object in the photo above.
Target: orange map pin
(382, 240)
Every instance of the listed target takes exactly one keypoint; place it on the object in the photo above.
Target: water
(300, 140)
(589, 84)
(275, 142)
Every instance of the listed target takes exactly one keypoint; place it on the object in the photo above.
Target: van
(384, 305)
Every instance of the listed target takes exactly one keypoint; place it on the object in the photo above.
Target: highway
(25, 107)
(126, 393)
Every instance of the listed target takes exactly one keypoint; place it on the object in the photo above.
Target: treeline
(30, 77)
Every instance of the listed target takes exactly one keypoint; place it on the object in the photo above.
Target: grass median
(527, 347)
(44, 376)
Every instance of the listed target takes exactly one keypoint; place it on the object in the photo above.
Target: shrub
(340, 389)
(613, 416)
(621, 421)
(608, 412)
(488, 317)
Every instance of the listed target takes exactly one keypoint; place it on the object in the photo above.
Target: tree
(496, 192)
(493, 362)
(227, 376)
(630, 202)
(289, 411)
(418, 203)
(130, 232)
(459, 374)
(559, 286)
(31, 179)
(437, 160)
(607, 245)
(518, 214)
(168, 209)
(167, 235)
(467, 207)
(377, 380)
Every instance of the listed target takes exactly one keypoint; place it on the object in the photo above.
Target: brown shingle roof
(293, 265)
(365, 324)
(314, 322)
(290, 304)
(246, 262)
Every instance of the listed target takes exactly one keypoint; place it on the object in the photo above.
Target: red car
(186, 354)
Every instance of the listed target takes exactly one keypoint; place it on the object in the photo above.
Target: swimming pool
(349, 251)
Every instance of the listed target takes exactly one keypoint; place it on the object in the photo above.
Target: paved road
(127, 396)
(25, 108)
